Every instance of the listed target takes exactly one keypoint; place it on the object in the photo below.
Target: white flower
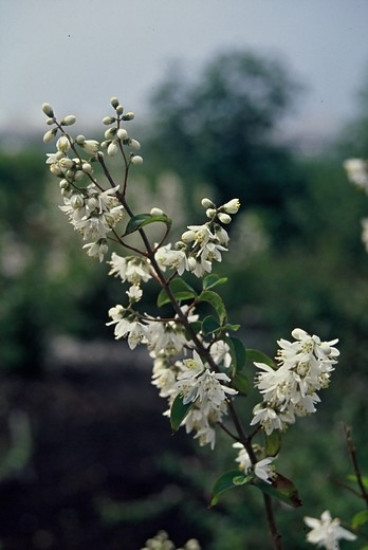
(220, 353)
(231, 207)
(131, 269)
(165, 337)
(262, 469)
(243, 458)
(135, 330)
(270, 419)
(197, 382)
(289, 390)
(173, 259)
(198, 420)
(327, 531)
(97, 249)
(90, 146)
(364, 223)
(134, 293)
(357, 172)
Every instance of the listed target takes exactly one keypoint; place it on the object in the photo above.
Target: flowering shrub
(200, 366)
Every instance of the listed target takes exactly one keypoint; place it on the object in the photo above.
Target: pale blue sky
(76, 54)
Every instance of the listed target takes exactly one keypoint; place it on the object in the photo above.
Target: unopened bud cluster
(93, 207)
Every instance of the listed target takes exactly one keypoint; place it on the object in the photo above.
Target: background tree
(227, 124)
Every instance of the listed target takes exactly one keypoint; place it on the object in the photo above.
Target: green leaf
(238, 352)
(196, 326)
(215, 301)
(140, 220)
(281, 488)
(229, 326)
(241, 383)
(273, 443)
(359, 519)
(210, 324)
(179, 411)
(255, 356)
(180, 289)
(227, 481)
(354, 478)
(212, 280)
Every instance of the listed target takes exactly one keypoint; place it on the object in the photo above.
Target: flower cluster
(162, 542)
(357, 172)
(197, 363)
(200, 245)
(304, 367)
(327, 532)
(93, 210)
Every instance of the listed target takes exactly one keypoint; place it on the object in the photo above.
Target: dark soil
(82, 459)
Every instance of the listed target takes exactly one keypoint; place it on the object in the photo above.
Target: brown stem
(275, 535)
(354, 460)
(205, 354)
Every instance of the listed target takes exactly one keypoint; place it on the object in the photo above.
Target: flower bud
(156, 212)
(192, 263)
(224, 218)
(207, 203)
(114, 102)
(122, 134)
(63, 184)
(54, 169)
(134, 144)
(49, 135)
(87, 168)
(90, 146)
(78, 175)
(80, 139)
(136, 160)
(231, 207)
(48, 110)
(66, 163)
(179, 245)
(108, 120)
(68, 120)
(50, 121)
(110, 133)
(211, 212)
(128, 116)
(63, 144)
(112, 149)
(188, 236)
(119, 109)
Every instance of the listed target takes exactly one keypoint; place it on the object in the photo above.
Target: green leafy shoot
(359, 519)
(140, 220)
(212, 280)
(227, 481)
(215, 301)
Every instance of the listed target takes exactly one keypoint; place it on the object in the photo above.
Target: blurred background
(257, 100)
